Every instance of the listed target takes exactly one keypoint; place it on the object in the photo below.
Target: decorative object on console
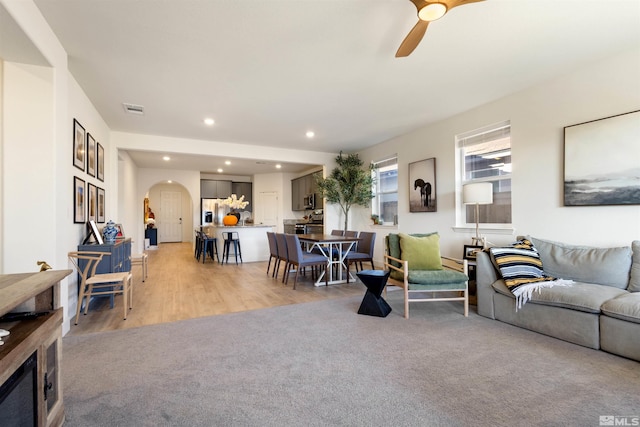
(478, 193)
(43, 265)
(422, 186)
(110, 232)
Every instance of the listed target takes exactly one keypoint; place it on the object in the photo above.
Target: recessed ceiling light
(219, 170)
(227, 162)
(278, 166)
(169, 181)
(310, 134)
(166, 158)
(209, 121)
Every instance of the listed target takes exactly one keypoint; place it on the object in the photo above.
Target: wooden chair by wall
(92, 284)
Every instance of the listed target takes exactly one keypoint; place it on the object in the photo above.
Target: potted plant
(348, 184)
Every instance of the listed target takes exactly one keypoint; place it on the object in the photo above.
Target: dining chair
(198, 248)
(363, 253)
(273, 250)
(92, 284)
(283, 255)
(300, 259)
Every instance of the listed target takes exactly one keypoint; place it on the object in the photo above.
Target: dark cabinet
(212, 189)
(117, 256)
(152, 235)
(244, 189)
(303, 187)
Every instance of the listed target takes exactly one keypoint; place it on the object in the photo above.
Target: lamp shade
(478, 192)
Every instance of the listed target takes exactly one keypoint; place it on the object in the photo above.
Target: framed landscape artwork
(422, 186)
(601, 165)
(78, 145)
(92, 202)
(100, 218)
(100, 153)
(91, 155)
(79, 202)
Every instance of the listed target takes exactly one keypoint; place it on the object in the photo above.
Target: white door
(170, 227)
(267, 208)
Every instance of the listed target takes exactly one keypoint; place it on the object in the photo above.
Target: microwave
(309, 201)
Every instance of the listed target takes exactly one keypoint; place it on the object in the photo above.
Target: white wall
(537, 115)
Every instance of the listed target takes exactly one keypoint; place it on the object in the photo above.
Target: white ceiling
(269, 70)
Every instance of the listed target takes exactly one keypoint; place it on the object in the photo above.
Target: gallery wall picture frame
(601, 161)
(100, 158)
(471, 251)
(422, 186)
(79, 153)
(91, 155)
(101, 205)
(79, 201)
(92, 202)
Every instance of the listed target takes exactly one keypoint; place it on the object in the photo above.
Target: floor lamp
(478, 193)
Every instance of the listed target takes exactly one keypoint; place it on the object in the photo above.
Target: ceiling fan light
(432, 12)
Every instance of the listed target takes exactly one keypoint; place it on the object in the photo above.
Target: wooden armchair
(447, 283)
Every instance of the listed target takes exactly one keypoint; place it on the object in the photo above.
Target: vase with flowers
(234, 203)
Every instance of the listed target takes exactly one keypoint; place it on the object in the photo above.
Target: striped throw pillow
(519, 264)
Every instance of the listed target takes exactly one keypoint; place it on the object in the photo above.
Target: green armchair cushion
(422, 253)
(433, 280)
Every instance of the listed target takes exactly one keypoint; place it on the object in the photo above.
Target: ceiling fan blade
(413, 38)
(454, 3)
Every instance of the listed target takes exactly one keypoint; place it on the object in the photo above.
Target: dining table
(335, 249)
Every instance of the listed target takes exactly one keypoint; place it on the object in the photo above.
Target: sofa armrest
(486, 275)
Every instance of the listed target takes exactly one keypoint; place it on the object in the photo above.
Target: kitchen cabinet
(302, 187)
(244, 189)
(214, 189)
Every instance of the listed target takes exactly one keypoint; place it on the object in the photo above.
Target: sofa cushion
(393, 249)
(587, 297)
(634, 278)
(423, 253)
(624, 307)
(436, 279)
(603, 266)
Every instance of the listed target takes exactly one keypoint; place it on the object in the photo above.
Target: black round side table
(372, 303)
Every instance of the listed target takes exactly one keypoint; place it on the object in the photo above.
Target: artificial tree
(349, 184)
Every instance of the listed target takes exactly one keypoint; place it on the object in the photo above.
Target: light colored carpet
(320, 364)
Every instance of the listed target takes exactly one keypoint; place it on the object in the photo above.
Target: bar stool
(208, 245)
(229, 238)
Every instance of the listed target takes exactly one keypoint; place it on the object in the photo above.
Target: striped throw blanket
(521, 268)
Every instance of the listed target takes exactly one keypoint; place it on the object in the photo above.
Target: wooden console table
(40, 334)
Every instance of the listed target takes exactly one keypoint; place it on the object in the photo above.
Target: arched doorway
(172, 207)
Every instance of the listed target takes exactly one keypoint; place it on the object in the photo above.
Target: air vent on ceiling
(133, 108)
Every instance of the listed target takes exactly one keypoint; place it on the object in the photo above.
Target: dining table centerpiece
(235, 204)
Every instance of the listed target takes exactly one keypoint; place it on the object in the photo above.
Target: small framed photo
(120, 234)
(78, 145)
(100, 153)
(79, 200)
(92, 202)
(100, 205)
(91, 155)
(470, 252)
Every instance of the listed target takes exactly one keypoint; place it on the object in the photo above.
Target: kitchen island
(253, 239)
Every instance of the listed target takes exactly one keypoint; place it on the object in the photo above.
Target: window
(385, 188)
(484, 155)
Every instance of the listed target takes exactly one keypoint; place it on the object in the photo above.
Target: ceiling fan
(428, 11)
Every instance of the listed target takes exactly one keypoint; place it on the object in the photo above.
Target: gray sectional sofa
(601, 310)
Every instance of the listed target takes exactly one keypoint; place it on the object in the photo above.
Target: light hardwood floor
(179, 287)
